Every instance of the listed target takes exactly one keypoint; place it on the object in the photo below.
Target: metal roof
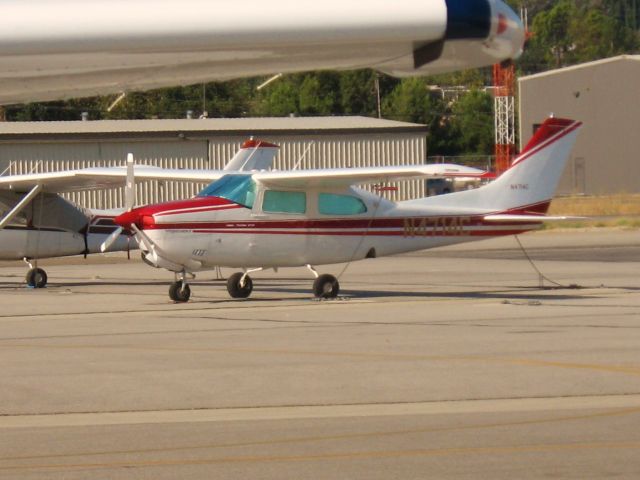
(581, 66)
(202, 127)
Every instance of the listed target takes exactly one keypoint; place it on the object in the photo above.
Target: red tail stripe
(532, 149)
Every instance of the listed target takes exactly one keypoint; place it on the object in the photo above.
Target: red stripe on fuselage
(368, 233)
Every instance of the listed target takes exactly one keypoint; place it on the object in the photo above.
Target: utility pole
(378, 103)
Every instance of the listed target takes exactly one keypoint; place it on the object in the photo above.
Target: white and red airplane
(256, 221)
(57, 49)
(36, 222)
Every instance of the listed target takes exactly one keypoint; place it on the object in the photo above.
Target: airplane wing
(99, 178)
(344, 177)
(51, 50)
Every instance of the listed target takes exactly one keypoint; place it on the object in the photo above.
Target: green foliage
(408, 102)
(472, 123)
(319, 94)
(572, 32)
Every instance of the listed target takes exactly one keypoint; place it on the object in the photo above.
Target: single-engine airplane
(263, 220)
(36, 222)
(51, 50)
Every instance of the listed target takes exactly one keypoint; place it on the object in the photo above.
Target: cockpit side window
(334, 204)
(240, 189)
(284, 202)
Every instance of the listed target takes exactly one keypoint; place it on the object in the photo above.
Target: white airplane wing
(252, 155)
(99, 178)
(344, 177)
(58, 49)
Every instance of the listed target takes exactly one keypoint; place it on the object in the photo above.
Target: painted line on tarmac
(323, 411)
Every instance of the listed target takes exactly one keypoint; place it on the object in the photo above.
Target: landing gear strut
(36, 277)
(325, 285)
(179, 290)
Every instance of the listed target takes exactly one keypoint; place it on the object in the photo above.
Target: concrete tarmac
(453, 363)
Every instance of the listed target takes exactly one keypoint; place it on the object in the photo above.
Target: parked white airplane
(36, 222)
(276, 219)
(72, 48)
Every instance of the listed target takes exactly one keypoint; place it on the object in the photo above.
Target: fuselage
(20, 241)
(296, 228)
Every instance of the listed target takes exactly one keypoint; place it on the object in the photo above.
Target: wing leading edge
(345, 177)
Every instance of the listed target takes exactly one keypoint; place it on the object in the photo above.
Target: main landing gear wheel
(36, 278)
(239, 291)
(326, 286)
(179, 292)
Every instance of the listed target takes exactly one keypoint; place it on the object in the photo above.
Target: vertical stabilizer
(253, 155)
(530, 183)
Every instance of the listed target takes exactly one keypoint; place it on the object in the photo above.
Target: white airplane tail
(528, 186)
(253, 155)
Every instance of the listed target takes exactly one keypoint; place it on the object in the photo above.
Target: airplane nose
(138, 217)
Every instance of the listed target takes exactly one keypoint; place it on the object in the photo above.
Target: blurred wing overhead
(62, 49)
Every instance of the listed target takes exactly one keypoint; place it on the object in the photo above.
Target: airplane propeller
(129, 201)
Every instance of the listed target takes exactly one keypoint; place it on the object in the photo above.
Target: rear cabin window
(332, 204)
(284, 202)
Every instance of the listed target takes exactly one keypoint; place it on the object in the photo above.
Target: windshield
(240, 189)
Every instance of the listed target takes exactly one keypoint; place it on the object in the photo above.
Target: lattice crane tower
(504, 78)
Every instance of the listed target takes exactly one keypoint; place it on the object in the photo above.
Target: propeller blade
(130, 187)
(110, 239)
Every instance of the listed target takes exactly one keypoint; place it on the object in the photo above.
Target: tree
(472, 124)
(410, 101)
(318, 94)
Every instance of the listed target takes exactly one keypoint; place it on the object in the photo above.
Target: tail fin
(253, 155)
(530, 183)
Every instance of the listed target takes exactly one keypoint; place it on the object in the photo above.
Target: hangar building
(605, 96)
(315, 142)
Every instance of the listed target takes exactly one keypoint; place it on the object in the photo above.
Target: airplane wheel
(326, 286)
(234, 288)
(37, 278)
(178, 293)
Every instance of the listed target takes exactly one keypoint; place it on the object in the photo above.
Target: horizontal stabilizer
(528, 218)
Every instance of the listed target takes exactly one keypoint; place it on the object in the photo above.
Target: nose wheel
(179, 292)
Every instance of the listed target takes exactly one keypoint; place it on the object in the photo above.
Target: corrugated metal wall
(305, 151)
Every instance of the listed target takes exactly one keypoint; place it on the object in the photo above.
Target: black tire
(326, 286)
(234, 288)
(178, 293)
(36, 278)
